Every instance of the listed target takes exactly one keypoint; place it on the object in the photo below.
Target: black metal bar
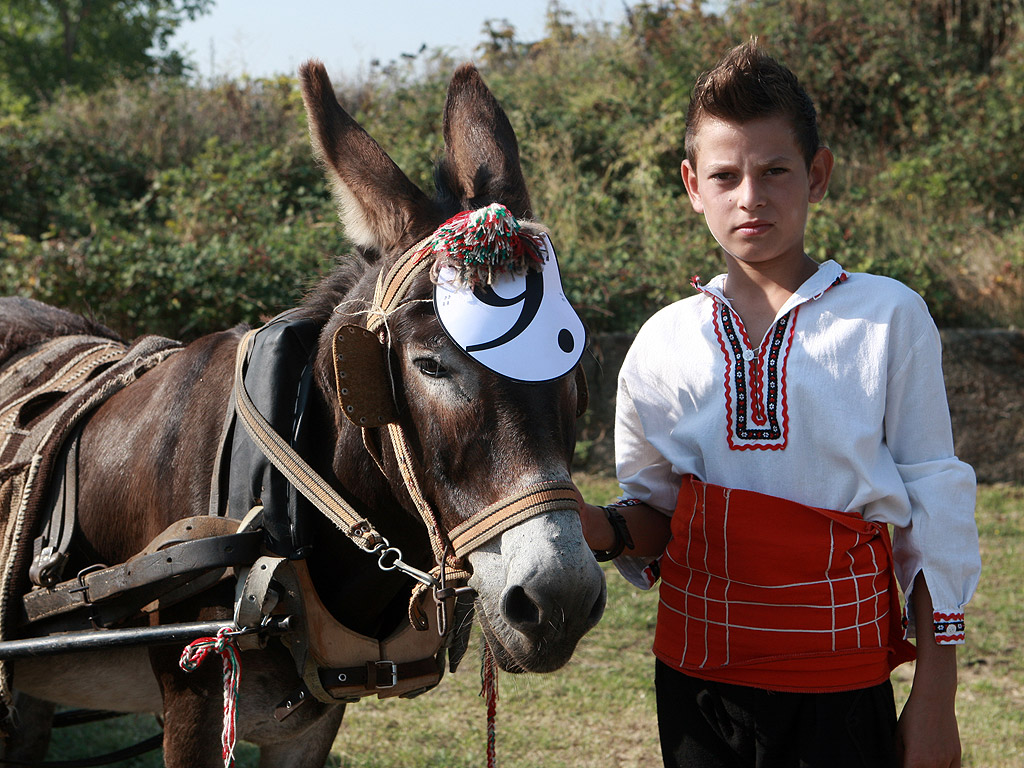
(108, 638)
(71, 717)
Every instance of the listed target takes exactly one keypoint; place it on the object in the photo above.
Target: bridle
(354, 347)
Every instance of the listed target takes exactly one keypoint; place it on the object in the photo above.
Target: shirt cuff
(641, 572)
(949, 627)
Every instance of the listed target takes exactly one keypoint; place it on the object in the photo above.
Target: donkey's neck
(348, 580)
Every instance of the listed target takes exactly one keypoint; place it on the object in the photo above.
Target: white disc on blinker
(519, 326)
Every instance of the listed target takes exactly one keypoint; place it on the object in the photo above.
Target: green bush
(180, 230)
(174, 208)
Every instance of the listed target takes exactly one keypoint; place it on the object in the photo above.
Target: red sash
(768, 593)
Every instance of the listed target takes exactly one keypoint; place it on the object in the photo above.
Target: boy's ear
(689, 175)
(820, 173)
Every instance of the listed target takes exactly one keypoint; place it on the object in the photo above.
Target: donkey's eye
(430, 367)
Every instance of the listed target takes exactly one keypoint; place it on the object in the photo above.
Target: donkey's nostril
(520, 610)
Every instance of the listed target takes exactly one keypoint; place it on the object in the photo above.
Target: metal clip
(47, 567)
(399, 564)
(82, 586)
(270, 625)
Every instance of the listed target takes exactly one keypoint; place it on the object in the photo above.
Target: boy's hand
(927, 735)
(649, 529)
(596, 528)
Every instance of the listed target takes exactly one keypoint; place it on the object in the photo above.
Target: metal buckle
(386, 670)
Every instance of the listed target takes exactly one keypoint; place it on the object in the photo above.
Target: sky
(268, 37)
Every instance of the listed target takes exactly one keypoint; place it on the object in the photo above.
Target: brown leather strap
(51, 546)
(499, 517)
(166, 565)
(376, 675)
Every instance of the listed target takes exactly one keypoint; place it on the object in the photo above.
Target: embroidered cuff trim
(949, 628)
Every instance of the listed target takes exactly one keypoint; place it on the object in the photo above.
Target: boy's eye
(777, 171)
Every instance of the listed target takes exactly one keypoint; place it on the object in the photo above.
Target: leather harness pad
(364, 384)
(279, 380)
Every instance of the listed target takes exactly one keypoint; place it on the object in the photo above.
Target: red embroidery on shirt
(755, 389)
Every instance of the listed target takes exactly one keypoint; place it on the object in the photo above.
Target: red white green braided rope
(192, 656)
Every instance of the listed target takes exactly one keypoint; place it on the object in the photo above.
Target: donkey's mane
(337, 286)
(320, 302)
(27, 322)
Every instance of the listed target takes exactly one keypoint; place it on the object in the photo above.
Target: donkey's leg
(310, 749)
(193, 710)
(28, 728)
(303, 739)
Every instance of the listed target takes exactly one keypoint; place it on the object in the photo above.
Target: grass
(599, 710)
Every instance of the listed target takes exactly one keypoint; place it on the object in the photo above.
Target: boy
(768, 431)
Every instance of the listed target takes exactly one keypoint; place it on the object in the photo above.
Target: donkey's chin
(515, 653)
(539, 590)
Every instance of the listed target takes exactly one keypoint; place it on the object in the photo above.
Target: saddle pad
(46, 391)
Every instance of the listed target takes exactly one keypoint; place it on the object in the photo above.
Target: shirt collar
(828, 274)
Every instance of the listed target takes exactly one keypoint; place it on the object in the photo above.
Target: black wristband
(622, 537)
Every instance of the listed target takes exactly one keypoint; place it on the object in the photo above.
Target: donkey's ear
(379, 206)
(481, 152)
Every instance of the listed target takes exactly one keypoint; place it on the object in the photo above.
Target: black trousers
(703, 724)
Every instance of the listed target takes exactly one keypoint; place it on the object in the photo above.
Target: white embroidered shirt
(841, 406)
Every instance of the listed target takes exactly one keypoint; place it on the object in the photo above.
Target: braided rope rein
(489, 692)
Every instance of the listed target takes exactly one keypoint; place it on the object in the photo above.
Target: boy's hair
(748, 84)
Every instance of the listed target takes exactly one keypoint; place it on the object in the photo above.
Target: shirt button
(748, 355)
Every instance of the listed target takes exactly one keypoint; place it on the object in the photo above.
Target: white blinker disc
(521, 327)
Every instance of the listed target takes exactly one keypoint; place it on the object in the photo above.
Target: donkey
(147, 454)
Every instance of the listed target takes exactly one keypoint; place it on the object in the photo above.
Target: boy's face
(753, 186)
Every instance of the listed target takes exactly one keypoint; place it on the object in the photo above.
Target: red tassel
(483, 244)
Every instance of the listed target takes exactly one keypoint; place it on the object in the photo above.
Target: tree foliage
(46, 44)
(176, 208)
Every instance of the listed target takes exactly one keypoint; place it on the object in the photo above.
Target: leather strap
(256, 598)
(499, 517)
(145, 570)
(375, 675)
(51, 546)
(349, 684)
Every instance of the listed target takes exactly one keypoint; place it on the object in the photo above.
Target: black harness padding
(279, 380)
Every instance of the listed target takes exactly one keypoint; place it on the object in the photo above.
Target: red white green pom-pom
(483, 244)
